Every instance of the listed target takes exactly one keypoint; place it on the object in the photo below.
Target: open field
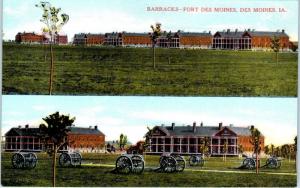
(129, 71)
(96, 171)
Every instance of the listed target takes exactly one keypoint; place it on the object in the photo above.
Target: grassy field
(128, 71)
(97, 171)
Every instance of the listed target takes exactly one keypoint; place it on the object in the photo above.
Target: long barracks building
(27, 138)
(188, 139)
(226, 39)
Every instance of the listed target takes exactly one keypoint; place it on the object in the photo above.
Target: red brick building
(187, 139)
(249, 40)
(195, 40)
(88, 39)
(29, 38)
(39, 39)
(81, 139)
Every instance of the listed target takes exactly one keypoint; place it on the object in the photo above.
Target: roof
(23, 132)
(35, 131)
(231, 34)
(202, 130)
(268, 33)
(195, 34)
(136, 34)
(82, 130)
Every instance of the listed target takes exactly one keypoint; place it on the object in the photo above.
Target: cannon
(171, 163)
(24, 160)
(196, 160)
(273, 162)
(130, 163)
(70, 159)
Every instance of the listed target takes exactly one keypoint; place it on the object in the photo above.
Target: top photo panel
(150, 48)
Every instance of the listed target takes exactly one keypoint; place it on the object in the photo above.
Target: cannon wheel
(249, 163)
(64, 160)
(124, 165)
(77, 160)
(168, 164)
(18, 160)
(180, 163)
(272, 163)
(137, 164)
(193, 161)
(32, 160)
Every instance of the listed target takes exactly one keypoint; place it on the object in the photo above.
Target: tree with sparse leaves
(53, 21)
(54, 134)
(256, 142)
(204, 146)
(123, 141)
(267, 150)
(225, 150)
(275, 45)
(156, 32)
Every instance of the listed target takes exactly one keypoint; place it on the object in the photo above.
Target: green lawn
(90, 174)
(128, 71)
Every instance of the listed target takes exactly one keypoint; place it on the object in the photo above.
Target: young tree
(225, 150)
(255, 141)
(272, 149)
(156, 32)
(275, 45)
(54, 134)
(241, 150)
(54, 22)
(267, 149)
(204, 146)
(123, 141)
(169, 38)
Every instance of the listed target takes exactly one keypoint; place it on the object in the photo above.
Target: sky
(276, 118)
(132, 16)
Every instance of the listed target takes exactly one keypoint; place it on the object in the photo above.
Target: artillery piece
(171, 163)
(130, 163)
(196, 160)
(250, 163)
(24, 160)
(70, 159)
(273, 162)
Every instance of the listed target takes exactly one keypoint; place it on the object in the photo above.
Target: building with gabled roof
(189, 139)
(79, 138)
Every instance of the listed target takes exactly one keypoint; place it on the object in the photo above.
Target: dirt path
(204, 170)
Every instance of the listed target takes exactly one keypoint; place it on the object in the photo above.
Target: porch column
(211, 151)
(188, 148)
(180, 145)
(156, 148)
(196, 142)
(219, 148)
(163, 139)
(171, 144)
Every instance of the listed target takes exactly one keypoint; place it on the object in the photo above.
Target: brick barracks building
(227, 39)
(80, 139)
(39, 39)
(187, 139)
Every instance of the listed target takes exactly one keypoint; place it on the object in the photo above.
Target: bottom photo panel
(84, 141)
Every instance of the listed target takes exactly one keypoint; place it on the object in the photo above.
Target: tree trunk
(277, 57)
(257, 163)
(153, 56)
(54, 167)
(51, 69)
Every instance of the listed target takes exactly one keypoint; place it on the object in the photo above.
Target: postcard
(149, 93)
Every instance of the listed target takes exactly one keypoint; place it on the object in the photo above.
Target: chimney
(249, 30)
(173, 126)
(90, 127)
(96, 127)
(209, 32)
(27, 126)
(194, 127)
(19, 126)
(201, 125)
(236, 30)
(220, 126)
(230, 125)
(283, 31)
(228, 30)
